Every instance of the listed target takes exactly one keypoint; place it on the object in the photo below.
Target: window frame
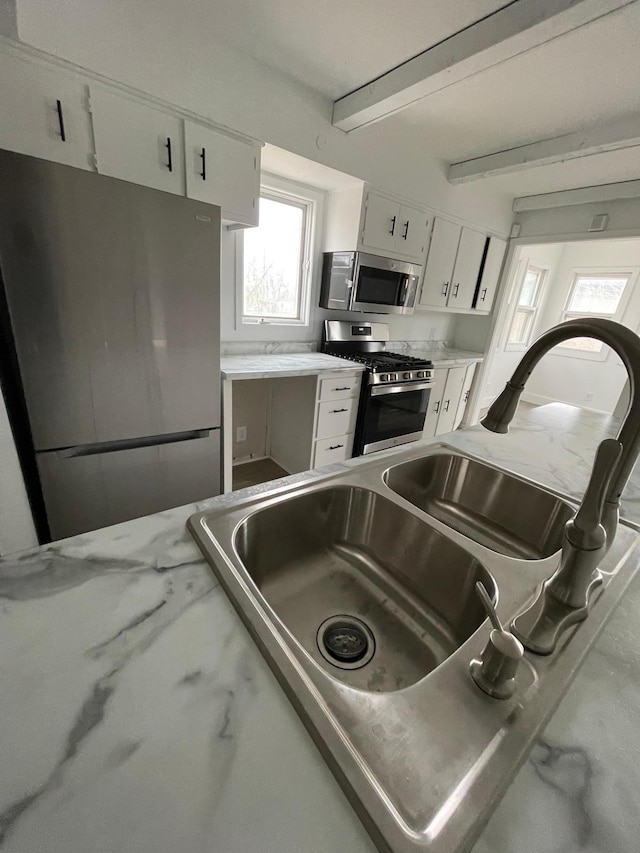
(309, 201)
(577, 273)
(543, 271)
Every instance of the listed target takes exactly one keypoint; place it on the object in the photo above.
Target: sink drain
(345, 642)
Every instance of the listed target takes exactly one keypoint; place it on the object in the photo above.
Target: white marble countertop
(270, 366)
(139, 717)
(448, 357)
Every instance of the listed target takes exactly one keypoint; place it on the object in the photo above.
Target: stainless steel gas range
(395, 388)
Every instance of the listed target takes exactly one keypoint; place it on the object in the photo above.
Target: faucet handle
(586, 531)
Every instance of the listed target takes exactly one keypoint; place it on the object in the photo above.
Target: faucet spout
(627, 345)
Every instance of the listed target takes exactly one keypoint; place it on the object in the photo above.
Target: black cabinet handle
(346, 388)
(406, 230)
(203, 157)
(445, 288)
(63, 135)
(456, 288)
(437, 407)
(336, 411)
(167, 145)
(393, 226)
(446, 405)
(484, 293)
(335, 446)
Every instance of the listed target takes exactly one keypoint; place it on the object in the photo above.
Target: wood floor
(253, 473)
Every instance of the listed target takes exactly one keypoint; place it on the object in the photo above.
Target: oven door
(392, 415)
(384, 286)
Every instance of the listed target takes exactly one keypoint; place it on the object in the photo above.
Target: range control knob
(393, 377)
(423, 374)
(384, 377)
(407, 375)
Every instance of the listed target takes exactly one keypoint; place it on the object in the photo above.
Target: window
(275, 261)
(524, 316)
(593, 295)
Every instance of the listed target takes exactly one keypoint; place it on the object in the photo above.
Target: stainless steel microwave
(355, 281)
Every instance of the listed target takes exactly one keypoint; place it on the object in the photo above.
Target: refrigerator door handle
(130, 443)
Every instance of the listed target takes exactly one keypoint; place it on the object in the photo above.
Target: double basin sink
(360, 589)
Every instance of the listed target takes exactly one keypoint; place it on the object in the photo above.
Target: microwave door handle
(403, 292)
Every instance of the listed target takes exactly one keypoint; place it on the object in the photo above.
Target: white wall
(592, 384)
(16, 528)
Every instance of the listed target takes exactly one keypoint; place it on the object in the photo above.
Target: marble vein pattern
(273, 366)
(138, 716)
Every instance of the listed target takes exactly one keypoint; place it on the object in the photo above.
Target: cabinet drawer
(336, 417)
(330, 450)
(337, 388)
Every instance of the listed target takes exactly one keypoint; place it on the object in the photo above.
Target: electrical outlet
(241, 433)
(588, 397)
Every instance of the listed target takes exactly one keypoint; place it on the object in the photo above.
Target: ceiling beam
(519, 26)
(571, 146)
(584, 195)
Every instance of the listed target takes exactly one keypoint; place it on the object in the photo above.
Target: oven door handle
(379, 390)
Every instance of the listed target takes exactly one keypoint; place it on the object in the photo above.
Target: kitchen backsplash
(279, 347)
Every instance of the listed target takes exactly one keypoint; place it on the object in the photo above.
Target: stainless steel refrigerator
(111, 300)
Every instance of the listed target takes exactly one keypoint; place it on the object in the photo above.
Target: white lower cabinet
(337, 401)
(448, 399)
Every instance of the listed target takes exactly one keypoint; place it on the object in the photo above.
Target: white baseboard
(242, 460)
(540, 400)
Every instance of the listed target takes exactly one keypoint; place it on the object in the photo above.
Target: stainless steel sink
(375, 596)
(492, 507)
(362, 604)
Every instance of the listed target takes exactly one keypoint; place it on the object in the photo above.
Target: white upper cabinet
(367, 220)
(436, 285)
(44, 113)
(223, 170)
(137, 143)
(413, 231)
(457, 258)
(491, 273)
(381, 224)
(467, 268)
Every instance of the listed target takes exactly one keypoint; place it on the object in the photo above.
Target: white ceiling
(587, 77)
(335, 46)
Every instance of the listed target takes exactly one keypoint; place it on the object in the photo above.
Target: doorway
(553, 282)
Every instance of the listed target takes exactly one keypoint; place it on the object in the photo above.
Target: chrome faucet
(564, 598)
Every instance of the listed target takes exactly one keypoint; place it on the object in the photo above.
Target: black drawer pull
(336, 411)
(203, 157)
(393, 226)
(167, 145)
(406, 230)
(346, 388)
(63, 135)
(335, 446)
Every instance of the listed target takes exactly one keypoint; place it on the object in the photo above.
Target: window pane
(272, 261)
(529, 288)
(594, 295)
(582, 344)
(520, 327)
